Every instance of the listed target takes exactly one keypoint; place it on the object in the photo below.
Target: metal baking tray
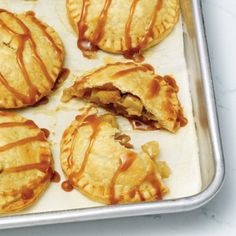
(206, 122)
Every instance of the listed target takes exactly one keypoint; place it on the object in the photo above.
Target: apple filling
(112, 99)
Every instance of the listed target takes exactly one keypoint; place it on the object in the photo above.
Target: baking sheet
(179, 150)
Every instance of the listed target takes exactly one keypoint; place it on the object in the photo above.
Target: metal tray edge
(169, 206)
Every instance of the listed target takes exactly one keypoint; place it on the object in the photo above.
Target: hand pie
(134, 91)
(121, 26)
(25, 162)
(31, 58)
(101, 164)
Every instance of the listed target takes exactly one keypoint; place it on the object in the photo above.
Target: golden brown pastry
(100, 162)
(135, 91)
(25, 162)
(31, 58)
(121, 26)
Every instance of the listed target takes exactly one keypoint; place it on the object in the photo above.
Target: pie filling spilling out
(101, 163)
(139, 25)
(134, 91)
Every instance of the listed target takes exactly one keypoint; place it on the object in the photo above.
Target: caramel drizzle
(94, 122)
(98, 32)
(133, 52)
(28, 123)
(74, 133)
(43, 166)
(39, 137)
(22, 39)
(126, 161)
(130, 52)
(129, 70)
(128, 39)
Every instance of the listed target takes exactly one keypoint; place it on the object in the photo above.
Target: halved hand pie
(25, 162)
(121, 26)
(31, 58)
(135, 91)
(101, 163)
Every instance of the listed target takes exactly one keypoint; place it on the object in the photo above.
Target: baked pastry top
(134, 91)
(121, 26)
(31, 58)
(25, 162)
(100, 162)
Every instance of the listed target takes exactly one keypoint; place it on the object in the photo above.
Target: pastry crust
(134, 91)
(25, 162)
(102, 165)
(122, 26)
(31, 58)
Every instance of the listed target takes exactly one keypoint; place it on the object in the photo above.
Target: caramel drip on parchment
(22, 39)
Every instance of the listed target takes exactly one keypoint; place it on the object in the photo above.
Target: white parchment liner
(180, 150)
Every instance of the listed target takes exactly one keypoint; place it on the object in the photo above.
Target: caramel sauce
(126, 161)
(135, 52)
(56, 178)
(128, 71)
(65, 72)
(27, 194)
(28, 123)
(152, 179)
(46, 132)
(22, 40)
(154, 88)
(99, 31)
(140, 125)
(94, 122)
(43, 167)
(42, 101)
(39, 137)
(67, 186)
(171, 81)
(90, 45)
(128, 39)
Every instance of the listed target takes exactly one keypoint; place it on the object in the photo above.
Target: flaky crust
(25, 162)
(31, 58)
(100, 167)
(157, 94)
(120, 26)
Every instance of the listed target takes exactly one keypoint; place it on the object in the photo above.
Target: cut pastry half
(134, 91)
(100, 162)
(31, 58)
(26, 165)
(121, 26)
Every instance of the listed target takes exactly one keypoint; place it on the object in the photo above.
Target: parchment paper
(180, 150)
